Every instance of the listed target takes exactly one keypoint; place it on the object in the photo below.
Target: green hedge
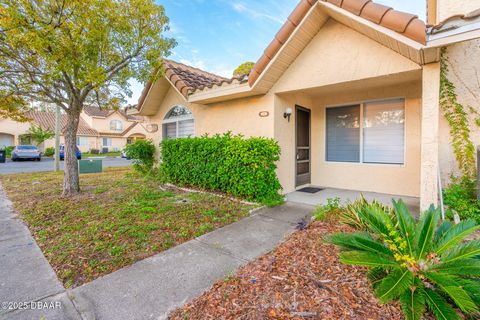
(233, 164)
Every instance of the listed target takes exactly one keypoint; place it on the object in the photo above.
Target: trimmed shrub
(94, 151)
(8, 150)
(243, 167)
(461, 197)
(142, 152)
(49, 152)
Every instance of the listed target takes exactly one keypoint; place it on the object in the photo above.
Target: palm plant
(421, 263)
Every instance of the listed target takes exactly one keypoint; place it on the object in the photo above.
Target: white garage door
(6, 140)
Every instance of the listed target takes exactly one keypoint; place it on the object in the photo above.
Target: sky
(219, 35)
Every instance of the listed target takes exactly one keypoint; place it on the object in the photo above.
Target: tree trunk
(71, 181)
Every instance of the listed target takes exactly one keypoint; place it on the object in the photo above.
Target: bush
(142, 152)
(8, 150)
(242, 167)
(461, 197)
(351, 214)
(94, 151)
(331, 209)
(421, 263)
(49, 152)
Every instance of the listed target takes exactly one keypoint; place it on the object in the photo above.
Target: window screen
(185, 128)
(384, 132)
(107, 142)
(82, 141)
(343, 134)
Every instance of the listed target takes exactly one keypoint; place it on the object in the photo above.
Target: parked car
(26, 152)
(62, 153)
(124, 154)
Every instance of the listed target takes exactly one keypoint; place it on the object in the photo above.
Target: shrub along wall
(243, 167)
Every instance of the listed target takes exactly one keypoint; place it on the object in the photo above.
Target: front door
(302, 128)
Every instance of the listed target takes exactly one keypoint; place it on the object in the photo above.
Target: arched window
(178, 123)
(116, 125)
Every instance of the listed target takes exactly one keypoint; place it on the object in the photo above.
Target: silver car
(26, 152)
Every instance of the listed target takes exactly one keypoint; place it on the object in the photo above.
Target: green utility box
(90, 166)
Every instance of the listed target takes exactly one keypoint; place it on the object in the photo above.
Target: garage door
(6, 140)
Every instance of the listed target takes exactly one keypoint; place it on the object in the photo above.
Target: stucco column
(430, 131)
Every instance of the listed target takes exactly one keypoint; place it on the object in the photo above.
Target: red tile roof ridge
(469, 16)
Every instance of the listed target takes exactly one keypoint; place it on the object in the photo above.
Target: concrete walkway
(25, 274)
(148, 289)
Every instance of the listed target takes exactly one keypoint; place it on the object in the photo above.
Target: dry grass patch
(119, 218)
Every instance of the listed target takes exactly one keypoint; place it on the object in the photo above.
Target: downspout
(440, 193)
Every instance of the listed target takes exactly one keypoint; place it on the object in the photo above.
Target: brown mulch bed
(300, 279)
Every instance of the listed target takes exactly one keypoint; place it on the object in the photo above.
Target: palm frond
(376, 218)
(394, 285)
(466, 250)
(439, 306)
(413, 301)
(462, 267)
(444, 226)
(472, 287)
(455, 235)
(376, 275)
(425, 230)
(452, 288)
(406, 223)
(367, 259)
(358, 241)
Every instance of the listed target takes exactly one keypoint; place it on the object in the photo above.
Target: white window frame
(116, 128)
(177, 120)
(362, 126)
(108, 139)
(82, 137)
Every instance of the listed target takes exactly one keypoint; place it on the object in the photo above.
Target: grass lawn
(108, 154)
(119, 218)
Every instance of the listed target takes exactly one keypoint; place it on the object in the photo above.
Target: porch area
(347, 196)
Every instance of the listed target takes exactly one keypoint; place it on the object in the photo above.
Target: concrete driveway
(47, 165)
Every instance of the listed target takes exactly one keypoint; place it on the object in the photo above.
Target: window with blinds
(372, 132)
(384, 132)
(178, 123)
(343, 134)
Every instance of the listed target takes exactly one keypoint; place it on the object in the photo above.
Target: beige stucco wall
(239, 116)
(464, 72)
(8, 126)
(338, 54)
(392, 179)
(448, 8)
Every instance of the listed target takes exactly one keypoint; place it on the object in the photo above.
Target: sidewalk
(25, 274)
(148, 289)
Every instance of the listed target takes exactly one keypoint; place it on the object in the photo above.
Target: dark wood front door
(302, 156)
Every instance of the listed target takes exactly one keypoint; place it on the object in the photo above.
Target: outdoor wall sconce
(287, 113)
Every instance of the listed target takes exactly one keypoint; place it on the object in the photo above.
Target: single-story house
(97, 129)
(348, 88)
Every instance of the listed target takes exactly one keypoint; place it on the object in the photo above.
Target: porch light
(287, 113)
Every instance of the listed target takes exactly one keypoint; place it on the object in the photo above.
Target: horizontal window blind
(343, 134)
(170, 130)
(185, 128)
(384, 132)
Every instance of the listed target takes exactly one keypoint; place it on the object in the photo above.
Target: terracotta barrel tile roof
(188, 79)
(456, 21)
(281, 37)
(397, 21)
(404, 23)
(374, 12)
(46, 120)
(94, 111)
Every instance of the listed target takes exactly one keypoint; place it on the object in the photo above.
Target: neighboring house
(97, 129)
(349, 89)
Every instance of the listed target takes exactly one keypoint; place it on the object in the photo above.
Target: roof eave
(448, 37)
